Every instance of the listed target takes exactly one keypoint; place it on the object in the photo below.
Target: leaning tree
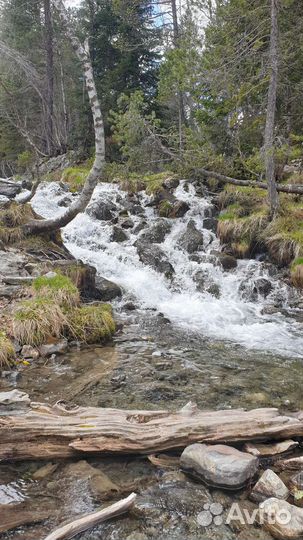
(82, 51)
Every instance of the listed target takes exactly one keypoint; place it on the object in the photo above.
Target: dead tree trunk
(271, 111)
(296, 189)
(82, 52)
(38, 431)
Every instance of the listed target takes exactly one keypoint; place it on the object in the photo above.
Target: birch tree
(82, 52)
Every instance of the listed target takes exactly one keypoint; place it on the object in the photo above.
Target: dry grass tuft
(58, 288)
(7, 351)
(37, 320)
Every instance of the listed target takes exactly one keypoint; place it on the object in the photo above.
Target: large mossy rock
(219, 465)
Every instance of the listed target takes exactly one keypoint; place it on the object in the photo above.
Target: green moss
(37, 320)
(165, 208)
(296, 262)
(244, 217)
(76, 176)
(7, 351)
(91, 324)
(152, 183)
(58, 288)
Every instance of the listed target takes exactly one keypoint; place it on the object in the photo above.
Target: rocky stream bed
(196, 325)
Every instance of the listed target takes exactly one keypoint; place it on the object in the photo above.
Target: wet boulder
(282, 519)
(201, 280)
(210, 223)
(48, 349)
(118, 235)
(101, 210)
(106, 290)
(156, 233)
(262, 287)
(269, 485)
(192, 239)
(155, 257)
(127, 223)
(219, 465)
(179, 209)
(227, 261)
(9, 189)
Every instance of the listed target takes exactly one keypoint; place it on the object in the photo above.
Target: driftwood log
(88, 521)
(31, 430)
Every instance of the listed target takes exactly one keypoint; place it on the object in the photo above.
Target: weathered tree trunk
(82, 52)
(271, 111)
(49, 77)
(38, 431)
(284, 188)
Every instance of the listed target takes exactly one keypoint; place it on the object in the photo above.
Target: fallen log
(40, 431)
(65, 532)
(284, 188)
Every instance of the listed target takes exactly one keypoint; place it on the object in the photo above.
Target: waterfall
(231, 314)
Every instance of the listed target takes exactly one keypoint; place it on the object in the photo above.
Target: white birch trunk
(82, 52)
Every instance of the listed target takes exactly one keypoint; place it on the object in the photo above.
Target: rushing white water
(228, 317)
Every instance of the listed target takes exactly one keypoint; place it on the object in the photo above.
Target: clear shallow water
(229, 317)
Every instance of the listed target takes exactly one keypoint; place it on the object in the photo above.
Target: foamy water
(228, 317)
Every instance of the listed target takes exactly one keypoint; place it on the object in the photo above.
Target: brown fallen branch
(284, 188)
(39, 431)
(91, 520)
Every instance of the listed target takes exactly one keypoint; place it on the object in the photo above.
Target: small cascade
(199, 296)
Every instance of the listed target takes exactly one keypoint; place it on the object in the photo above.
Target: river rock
(106, 290)
(102, 210)
(9, 189)
(219, 465)
(118, 235)
(100, 484)
(262, 286)
(227, 261)
(269, 485)
(156, 233)
(12, 401)
(45, 471)
(127, 223)
(179, 209)
(155, 257)
(12, 263)
(282, 519)
(29, 352)
(269, 450)
(210, 223)
(192, 239)
(4, 202)
(54, 348)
